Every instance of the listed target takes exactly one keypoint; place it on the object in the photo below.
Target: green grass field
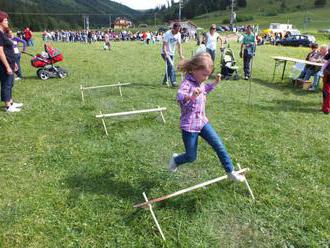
(65, 184)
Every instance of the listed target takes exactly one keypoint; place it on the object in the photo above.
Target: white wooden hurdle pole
(82, 93)
(101, 86)
(180, 192)
(131, 112)
(104, 86)
(154, 216)
(105, 127)
(246, 183)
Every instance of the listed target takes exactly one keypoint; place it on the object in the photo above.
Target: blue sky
(142, 4)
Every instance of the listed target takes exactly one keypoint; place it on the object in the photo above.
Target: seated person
(313, 53)
(317, 73)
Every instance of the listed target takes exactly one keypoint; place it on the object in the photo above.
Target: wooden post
(120, 91)
(82, 93)
(154, 216)
(246, 183)
(180, 192)
(103, 122)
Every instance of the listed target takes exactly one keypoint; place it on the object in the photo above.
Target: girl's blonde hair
(200, 61)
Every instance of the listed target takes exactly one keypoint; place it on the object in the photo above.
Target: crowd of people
(89, 36)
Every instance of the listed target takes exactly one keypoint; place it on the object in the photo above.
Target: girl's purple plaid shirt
(193, 117)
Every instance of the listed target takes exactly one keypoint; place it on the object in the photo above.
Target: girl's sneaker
(12, 109)
(17, 105)
(236, 176)
(172, 165)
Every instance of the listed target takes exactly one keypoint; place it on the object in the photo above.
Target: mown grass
(65, 184)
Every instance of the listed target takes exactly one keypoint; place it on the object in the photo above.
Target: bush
(244, 18)
(226, 21)
(271, 13)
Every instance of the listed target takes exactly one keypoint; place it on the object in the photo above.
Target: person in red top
(326, 89)
(28, 36)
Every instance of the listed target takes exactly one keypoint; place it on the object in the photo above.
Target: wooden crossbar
(180, 192)
(131, 112)
(159, 109)
(101, 86)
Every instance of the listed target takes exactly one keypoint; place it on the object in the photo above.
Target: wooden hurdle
(134, 112)
(148, 203)
(119, 85)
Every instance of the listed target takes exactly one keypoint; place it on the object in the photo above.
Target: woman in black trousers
(7, 66)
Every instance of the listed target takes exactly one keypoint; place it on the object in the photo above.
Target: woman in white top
(211, 40)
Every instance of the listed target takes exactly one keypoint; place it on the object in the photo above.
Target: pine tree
(320, 3)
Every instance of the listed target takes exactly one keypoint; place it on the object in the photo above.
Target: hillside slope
(262, 12)
(63, 13)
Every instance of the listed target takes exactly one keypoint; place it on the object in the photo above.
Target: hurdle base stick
(103, 122)
(180, 192)
(161, 114)
(246, 183)
(154, 216)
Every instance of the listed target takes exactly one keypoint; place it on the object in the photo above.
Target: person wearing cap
(248, 47)
(7, 66)
(171, 39)
(211, 39)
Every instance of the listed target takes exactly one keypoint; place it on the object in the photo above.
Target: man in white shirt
(171, 39)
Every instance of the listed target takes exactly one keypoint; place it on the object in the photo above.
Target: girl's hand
(217, 78)
(16, 67)
(197, 92)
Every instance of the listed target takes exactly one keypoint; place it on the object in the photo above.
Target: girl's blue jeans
(190, 141)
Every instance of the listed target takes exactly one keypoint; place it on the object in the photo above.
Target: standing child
(107, 45)
(17, 52)
(193, 121)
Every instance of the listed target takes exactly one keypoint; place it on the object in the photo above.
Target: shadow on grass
(281, 86)
(105, 184)
(290, 106)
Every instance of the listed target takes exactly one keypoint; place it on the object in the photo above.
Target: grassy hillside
(264, 12)
(64, 13)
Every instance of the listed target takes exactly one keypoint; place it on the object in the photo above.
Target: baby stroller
(45, 62)
(228, 64)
